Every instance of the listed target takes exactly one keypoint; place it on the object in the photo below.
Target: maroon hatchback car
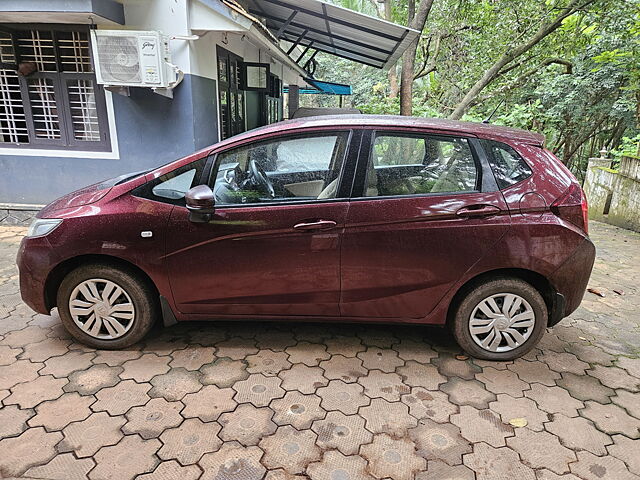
(344, 218)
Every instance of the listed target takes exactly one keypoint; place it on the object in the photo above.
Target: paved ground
(332, 402)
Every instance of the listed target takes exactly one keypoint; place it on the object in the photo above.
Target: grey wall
(151, 130)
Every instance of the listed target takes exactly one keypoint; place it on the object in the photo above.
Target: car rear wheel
(500, 319)
(106, 307)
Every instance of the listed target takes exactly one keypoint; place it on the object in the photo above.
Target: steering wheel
(260, 179)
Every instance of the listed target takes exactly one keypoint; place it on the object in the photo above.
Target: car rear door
(425, 209)
(275, 256)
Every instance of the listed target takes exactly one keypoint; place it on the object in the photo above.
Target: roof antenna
(488, 119)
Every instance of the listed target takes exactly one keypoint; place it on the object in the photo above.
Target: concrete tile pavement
(325, 401)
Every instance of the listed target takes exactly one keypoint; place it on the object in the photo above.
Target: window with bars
(49, 97)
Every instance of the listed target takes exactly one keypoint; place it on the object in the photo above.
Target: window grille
(58, 103)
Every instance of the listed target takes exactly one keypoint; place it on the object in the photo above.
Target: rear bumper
(571, 278)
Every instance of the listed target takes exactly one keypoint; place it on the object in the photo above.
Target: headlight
(43, 226)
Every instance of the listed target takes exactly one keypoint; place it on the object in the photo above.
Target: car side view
(350, 218)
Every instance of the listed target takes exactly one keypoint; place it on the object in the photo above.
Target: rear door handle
(478, 211)
(318, 225)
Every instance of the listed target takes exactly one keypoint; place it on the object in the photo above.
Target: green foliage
(628, 148)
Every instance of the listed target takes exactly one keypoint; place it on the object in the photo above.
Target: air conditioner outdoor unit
(130, 58)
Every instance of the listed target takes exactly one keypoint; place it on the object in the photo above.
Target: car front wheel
(500, 319)
(106, 307)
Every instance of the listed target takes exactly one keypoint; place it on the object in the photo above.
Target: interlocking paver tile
(275, 340)
(614, 377)
(541, 450)
(233, 462)
(290, 449)
(377, 337)
(13, 420)
(119, 461)
(4, 394)
(413, 350)
(302, 378)
(208, 334)
(490, 463)
(385, 417)
(415, 374)
(192, 357)
(345, 346)
(436, 441)
(145, 368)
(510, 408)
(627, 450)
(481, 426)
(394, 458)
(335, 466)
(439, 470)
(57, 414)
(8, 354)
(93, 379)
(468, 392)
(311, 333)
(612, 419)
(62, 366)
(247, 424)
(209, 403)
(268, 362)
(62, 467)
(85, 438)
(188, 442)
(297, 409)
(166, 342)
(591, 467)
(554, 400)
(150, 420)
(563, 362)
(311, 354)
(33, 447)
(383, 385)
(578, 433)
(18, 372)
(28, 395)
(585, 387)
(549, 475)
(631, 365)
(502, 381)
(375, 358)
(534, 372)
(450, 366)
(236, 348)
(48, 348)
(119, 399)
(114, 358)
(175, 384)
(346, 397)
(21, 338)
(344, 432)
(591, 354)
(628, 401)
(426, 404)
(280, 474)
(172, 470)
(258, 390)
(347, 369)
(224, 372)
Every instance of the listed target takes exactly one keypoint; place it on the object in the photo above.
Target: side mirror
(200, 203)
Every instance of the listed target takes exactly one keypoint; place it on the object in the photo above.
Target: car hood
(87, 195)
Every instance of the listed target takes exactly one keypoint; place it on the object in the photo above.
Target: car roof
(484, 130)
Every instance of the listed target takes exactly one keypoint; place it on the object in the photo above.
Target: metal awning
(330, 88)
(324, 27)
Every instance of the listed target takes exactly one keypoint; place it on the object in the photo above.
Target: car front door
(272, 247)
(425, 209)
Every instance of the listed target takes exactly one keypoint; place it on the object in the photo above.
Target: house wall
(620, 188)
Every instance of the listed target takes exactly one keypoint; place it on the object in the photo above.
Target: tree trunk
(394, 88)
(417, 22)
(492, 72)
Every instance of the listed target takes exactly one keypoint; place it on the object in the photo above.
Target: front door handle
(317, 225)
(478, 211)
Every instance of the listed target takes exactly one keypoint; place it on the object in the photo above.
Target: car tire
(477, 324)
(87, 286)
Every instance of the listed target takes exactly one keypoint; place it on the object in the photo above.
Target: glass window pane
(409, 165)
(43, 108)
(508, 167)
(285, 169)
(84, 115)
(13, 125)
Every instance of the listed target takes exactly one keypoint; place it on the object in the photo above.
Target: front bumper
(34, 264)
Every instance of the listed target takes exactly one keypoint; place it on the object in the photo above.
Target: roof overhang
(100, 12)
(336, 30)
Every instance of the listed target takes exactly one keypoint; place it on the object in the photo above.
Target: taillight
(572, 206)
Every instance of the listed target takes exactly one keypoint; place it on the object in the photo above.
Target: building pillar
(294, 99)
